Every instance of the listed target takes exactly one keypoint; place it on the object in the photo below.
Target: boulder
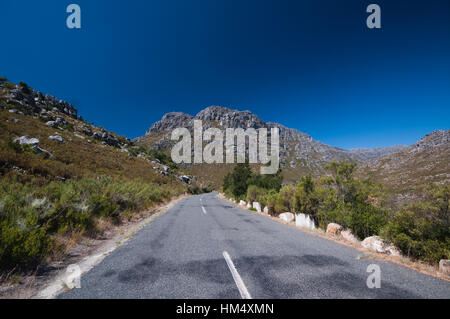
(444, 266)
(266, 210)
(334, 229)
(249, 205)
(257, 206)
(287, 217)
(186, 179)
(377, 244)
(374, 243)
(56, 138)
(60, 121)
(306, 221)
(242, 203)
(348, 236)
(24, 140)
(97, 135)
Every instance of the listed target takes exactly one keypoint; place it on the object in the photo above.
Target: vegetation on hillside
(35, 219)
(420, 230)
(57, 192)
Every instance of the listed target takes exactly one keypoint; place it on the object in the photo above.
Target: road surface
(205, 247)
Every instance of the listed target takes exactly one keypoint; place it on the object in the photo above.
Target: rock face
(444, 266)
(306, 221)
(440, 137)
(334, 229)
(31, 101)
(171, 121)
(299, 152)
(53, 112)
(375, 243)
(287, 217)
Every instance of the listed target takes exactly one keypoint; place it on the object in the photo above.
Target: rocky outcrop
(31, 101)
(171, 121)
(440, 137)
(297, 150)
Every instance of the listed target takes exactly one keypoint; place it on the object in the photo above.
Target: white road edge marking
(204, 210)
(237, 278)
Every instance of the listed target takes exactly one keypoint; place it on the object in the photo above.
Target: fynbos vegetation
(421, 230)
(62, 179)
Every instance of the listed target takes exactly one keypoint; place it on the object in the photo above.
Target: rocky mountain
(411, 168)
(300, 154)
(62, 145)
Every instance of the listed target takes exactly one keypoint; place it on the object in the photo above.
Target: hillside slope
(62, 178)
(300, 153)
(411, 169)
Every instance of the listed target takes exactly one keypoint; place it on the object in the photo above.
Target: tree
(268, 181)
(238, 180)
(306, 200)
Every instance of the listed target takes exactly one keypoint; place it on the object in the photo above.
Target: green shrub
(31, 214)
(8, 85)
(254, 193)
(422, 230)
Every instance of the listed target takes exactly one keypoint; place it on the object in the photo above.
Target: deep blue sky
(310, 65)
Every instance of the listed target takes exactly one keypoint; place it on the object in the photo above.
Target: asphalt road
(184, 254)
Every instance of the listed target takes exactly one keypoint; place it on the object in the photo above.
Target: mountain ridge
(301, 154)
(227, 117)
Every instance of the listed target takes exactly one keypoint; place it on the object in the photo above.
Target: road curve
(183, 255)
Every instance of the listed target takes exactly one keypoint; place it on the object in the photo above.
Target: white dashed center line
(237, 278)
(204, 210)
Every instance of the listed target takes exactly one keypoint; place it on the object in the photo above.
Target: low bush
(422, 230)
(31, 214)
